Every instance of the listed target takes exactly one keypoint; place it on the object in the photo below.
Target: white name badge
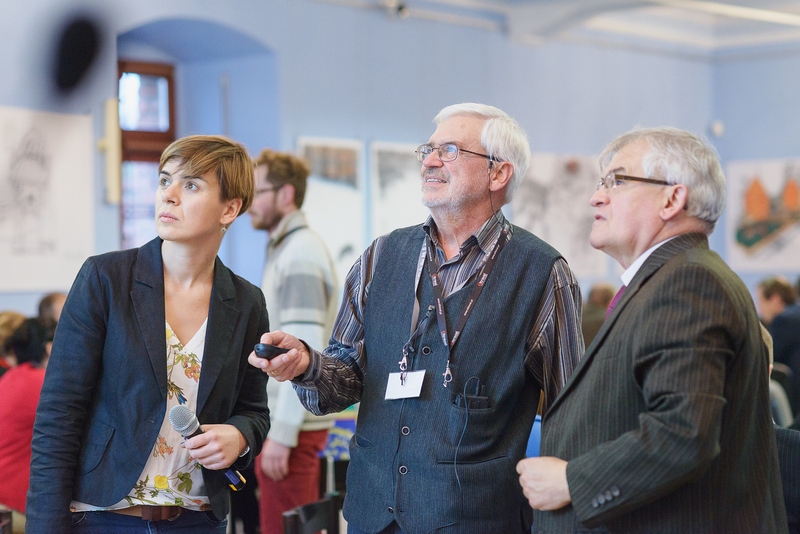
(395, 389)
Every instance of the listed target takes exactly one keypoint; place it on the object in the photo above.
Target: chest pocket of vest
(479, 435)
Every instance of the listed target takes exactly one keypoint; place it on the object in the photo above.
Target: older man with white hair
(447, 334)
(665, 425)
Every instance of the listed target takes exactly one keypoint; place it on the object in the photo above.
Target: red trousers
(301, 485)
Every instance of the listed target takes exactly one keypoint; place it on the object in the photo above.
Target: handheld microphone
(185, 423)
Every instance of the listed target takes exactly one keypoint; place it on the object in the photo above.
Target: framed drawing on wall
(47, 195)
(763, 215)
(335, 200)
(553, 203)
(395, 187)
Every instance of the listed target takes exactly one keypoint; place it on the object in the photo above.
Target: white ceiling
(714, 28)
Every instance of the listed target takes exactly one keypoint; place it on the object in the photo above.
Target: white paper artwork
(763, 215)
(46, 199)
(334, 202)
(396, 187)
(553, 203)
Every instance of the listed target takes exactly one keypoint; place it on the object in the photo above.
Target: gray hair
(502, 137)
(679, 157)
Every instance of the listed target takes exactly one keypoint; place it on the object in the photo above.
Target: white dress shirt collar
(631, 271)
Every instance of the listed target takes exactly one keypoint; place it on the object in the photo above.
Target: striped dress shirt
(334, 378)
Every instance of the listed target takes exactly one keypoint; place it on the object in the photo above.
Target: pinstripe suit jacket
(666, 423)
(789, 457)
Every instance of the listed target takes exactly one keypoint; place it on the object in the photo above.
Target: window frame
(148, 146)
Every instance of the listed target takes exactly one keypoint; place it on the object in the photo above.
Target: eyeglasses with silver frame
(447, 152)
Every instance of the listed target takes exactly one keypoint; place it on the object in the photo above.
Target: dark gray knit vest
(424, 462)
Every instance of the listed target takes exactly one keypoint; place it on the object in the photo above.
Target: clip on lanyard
(409, 346)
(483, 274)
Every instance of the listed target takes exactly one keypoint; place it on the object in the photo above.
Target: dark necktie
(614, 301)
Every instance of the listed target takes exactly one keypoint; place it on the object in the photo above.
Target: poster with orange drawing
(763, 215)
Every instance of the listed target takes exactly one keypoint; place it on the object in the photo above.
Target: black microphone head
(183, 420)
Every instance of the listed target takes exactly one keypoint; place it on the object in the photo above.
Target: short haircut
(46, 308)
(502, 137)
(284, 168)
(778, 285)
(228, 159)
(29, 341)
(679, 157)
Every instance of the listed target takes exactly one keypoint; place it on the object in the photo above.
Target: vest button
(426, 350)
(391, 510)
(405, 431)
(403, 470)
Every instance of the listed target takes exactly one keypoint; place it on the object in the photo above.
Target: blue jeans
(104, 522)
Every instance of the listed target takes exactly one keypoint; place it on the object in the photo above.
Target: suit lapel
(147, 296)
(222, 318)
(654, 262)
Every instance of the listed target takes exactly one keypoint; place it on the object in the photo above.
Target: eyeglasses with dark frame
(268, 189)
(447, 152)
(612, 180)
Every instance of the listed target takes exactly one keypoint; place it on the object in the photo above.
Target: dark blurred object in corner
(76, 49)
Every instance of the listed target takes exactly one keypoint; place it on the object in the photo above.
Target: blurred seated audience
(781, 314)
(19, 388)
(50, 308)
(788, 443)
(594, 311)
(781, 411)
(9, 321)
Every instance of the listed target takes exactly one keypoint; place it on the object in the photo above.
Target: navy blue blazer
(785, 330)
(105, 390)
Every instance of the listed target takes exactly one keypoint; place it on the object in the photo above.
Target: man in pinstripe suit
(665, 425)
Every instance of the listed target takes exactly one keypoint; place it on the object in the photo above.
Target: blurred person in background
(788, 441)
(19, 388)
(9, 322)
(50, 308)
(780, 313)
(299, 284)
(594, 312)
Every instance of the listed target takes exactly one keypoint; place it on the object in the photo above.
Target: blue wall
(757, 100)
(304, 68)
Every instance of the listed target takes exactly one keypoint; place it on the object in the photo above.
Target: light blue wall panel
(359, 74)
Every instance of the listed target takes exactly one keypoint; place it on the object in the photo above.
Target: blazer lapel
(222, 318)
(659, 257)
(147, 297)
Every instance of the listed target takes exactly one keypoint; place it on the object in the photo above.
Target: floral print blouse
(170, 476)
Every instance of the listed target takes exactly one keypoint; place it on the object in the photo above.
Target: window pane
(139, 184)
(143, 102)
